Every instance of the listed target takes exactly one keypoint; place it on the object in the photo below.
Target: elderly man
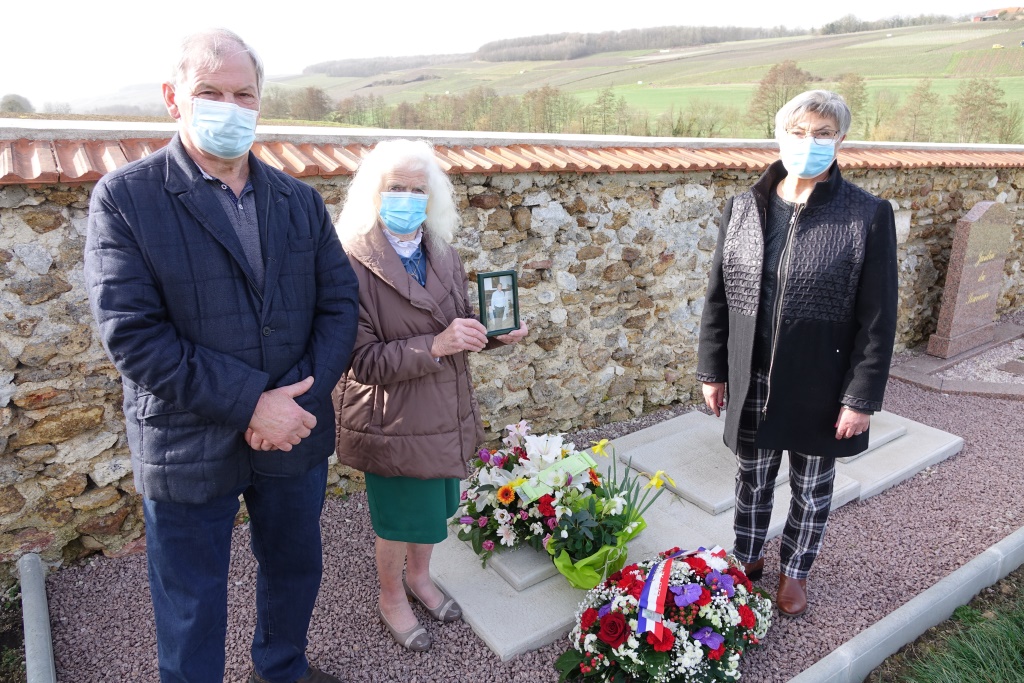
(229, 307)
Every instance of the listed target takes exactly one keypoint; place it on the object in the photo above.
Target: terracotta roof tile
(25, 161)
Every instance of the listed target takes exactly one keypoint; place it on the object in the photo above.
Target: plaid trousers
(810, 480)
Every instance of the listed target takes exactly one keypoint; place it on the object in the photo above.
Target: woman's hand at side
(463, 334)
(515, 335)
(851, 423)
(714, 396)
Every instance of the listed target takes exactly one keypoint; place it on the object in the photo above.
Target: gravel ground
(878, 554)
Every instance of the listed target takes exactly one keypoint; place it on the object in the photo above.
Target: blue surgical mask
(806, 158)
(223, 129)
(403, 212)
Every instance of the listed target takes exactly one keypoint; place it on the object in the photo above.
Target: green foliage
(15, 104)
(988, 649)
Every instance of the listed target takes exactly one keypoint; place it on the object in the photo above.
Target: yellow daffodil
(599, 447)
(658, 480)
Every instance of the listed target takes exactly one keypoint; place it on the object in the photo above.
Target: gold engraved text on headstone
(985, 256)
(974, 298)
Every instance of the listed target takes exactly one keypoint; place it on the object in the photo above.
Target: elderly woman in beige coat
(406, 412)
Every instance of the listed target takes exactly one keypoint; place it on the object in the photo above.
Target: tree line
(976, 112)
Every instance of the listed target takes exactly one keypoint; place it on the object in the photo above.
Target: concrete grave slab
(689, 449)
(922, 446)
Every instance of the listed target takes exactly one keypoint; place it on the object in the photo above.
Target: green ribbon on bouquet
(593, 569)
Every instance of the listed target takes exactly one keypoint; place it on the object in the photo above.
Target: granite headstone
(981, 241)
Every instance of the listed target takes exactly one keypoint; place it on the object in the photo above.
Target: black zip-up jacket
(836, 314)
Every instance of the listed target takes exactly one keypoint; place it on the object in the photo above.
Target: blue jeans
(189, 548)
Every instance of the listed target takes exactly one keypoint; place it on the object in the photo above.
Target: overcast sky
(67, 50)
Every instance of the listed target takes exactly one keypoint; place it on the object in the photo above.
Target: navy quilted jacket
(195, 342)
(835, 334)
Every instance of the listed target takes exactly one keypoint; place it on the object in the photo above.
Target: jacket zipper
(781, 280)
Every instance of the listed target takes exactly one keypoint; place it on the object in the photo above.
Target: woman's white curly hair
(362, 204)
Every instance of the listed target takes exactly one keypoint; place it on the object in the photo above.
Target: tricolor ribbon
(652, 599)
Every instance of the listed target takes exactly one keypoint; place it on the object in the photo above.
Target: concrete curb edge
(36, 617)
(852, 661)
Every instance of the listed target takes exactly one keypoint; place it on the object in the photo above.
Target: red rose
(705, 597)
(544, 505)
(740, 578)
(747, 618)
(614, 630)
(717, 654)
(589, 617)
(664, 644)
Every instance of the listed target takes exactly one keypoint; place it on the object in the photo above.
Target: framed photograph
(499, 301)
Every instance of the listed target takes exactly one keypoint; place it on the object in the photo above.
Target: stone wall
(612, 275)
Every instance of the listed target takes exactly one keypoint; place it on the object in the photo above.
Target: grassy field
(726, 73)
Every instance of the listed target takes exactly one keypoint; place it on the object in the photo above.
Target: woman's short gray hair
(362, 203)
(824, 103)
(209, 49)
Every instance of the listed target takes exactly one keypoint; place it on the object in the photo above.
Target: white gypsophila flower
(502, 516)
(588, 642)
(508, 535)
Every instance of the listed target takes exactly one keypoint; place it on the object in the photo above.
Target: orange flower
(506, 494)
(594, 479)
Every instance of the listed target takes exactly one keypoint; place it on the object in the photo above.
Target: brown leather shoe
(754, 570)
(791, 598)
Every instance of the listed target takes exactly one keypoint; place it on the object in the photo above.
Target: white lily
(546, 448)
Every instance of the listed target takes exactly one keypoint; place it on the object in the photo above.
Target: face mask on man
(403, 212)
(223, 129)
(806, 158)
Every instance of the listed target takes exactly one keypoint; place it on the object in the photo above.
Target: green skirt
(411, 510)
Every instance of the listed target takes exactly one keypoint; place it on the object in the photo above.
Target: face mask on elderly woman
(403, 212)
(806, 158)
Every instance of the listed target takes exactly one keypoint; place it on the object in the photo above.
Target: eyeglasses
(820, 137)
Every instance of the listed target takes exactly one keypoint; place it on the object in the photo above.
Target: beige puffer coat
(399, 411)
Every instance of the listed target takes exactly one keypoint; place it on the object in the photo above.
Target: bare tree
(977, 107)
(919, 114)
(275, 103)
(15, 104)
(885, 106)
(851, 86)
(1010, 124)
(311, 104)
(781, 84)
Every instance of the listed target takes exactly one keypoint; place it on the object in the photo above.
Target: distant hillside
(372, 66)
(561, 46)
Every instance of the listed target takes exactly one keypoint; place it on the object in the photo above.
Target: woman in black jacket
(798, 324)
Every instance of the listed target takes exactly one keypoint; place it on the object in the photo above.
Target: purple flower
(484, 455)
(498, 460)
(466, 520)
(568, 479)
(482, 522)
(523, 514)
(686, 595)
(605, 609)
(551, 522)
(465, 495)
(489, 546)
(719, 582)
(709, 638)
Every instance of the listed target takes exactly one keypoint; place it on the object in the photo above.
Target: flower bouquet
(682, 617)
(589, 541)
(542, 492)
(515, 495)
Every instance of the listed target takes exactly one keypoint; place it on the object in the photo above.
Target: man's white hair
(209, 50)
(362, 203)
